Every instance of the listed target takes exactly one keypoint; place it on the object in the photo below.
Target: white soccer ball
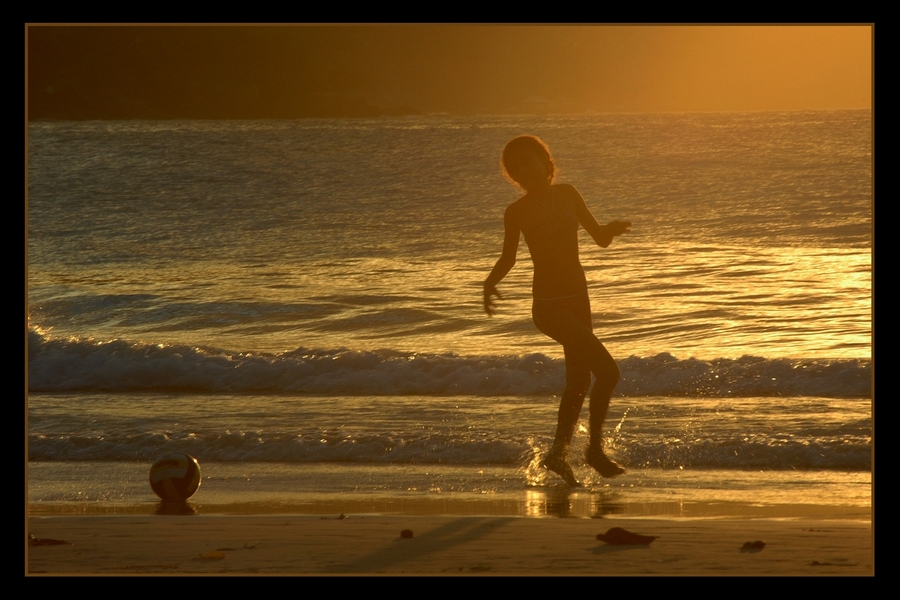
(175, 477)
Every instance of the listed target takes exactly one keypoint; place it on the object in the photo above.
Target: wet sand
(441, 545)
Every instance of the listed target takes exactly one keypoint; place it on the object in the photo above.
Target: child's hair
(519, 146)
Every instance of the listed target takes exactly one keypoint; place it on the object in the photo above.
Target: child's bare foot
(601, 463)
(556, 462)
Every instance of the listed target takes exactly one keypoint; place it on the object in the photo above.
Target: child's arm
(602, 234)
(506, 261)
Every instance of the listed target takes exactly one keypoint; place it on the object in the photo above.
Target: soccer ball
(175, 477)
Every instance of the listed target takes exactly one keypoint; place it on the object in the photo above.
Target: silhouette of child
(549, 215)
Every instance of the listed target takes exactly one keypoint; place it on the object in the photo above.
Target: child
(549, 215)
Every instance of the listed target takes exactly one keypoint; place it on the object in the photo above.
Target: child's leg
(578, 381)
(607, 373)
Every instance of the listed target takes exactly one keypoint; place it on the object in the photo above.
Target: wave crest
(119, 366)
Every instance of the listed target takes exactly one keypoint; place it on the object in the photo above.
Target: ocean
(298, 305)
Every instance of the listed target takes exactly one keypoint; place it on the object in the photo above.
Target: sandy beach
(442, 545)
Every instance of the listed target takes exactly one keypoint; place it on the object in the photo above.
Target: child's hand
(619, 227)
(489, 291)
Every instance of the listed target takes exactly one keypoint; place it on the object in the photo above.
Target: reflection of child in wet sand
(549, 215)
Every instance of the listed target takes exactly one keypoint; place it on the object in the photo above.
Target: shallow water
(467, 455)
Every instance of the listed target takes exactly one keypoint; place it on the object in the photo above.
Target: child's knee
(610, 375)
(615, 373)
(578, 388)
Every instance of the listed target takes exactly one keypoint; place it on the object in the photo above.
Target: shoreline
(86, 487)
(557, 504)
(442, 545)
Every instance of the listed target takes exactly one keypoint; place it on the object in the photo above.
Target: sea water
(298, 305)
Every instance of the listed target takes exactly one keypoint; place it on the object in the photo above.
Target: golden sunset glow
(296, 71)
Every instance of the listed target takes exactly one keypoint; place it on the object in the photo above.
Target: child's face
(532, 169)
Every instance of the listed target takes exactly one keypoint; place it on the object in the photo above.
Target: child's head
(516, 155)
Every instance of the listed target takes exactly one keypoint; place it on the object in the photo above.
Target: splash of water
(535, 474)
(611, 442)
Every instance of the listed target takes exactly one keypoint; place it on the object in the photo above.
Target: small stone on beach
(753, 546)
(620, 537)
